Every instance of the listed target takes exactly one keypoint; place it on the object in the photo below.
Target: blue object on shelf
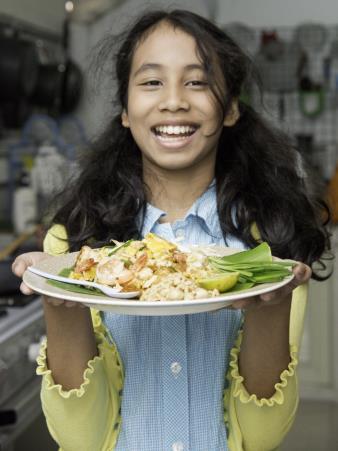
(38, 131)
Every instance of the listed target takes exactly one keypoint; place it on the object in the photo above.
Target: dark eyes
(151, 83)
(194, 83)
(197, 83)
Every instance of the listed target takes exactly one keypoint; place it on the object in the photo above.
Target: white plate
(54, 265)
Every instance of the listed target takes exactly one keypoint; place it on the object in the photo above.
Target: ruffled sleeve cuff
(87, 417)
(238, 389)
(107, 363)
(261, 424)
(48, 381)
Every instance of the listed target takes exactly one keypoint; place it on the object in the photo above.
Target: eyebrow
(149, 66)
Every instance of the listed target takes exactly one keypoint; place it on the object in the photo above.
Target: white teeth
(175, 129)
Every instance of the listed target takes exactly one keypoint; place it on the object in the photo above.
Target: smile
(176, 130)
(174, 135)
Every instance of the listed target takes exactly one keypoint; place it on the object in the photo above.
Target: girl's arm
(261, 406)
(69, 328)
(265, 348)
(82, 374)
(265, 351)
(71, 339)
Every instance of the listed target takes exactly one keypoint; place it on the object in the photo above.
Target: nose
(173, 99)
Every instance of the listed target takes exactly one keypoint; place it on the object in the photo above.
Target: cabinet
(318, 369)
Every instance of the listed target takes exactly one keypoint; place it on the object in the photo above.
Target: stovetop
(15, 318)
(21, 330)
(16, 299)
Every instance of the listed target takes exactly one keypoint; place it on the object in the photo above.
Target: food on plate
(154, 266)
(160, 270)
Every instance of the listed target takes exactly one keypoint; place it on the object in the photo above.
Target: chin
(175, 165)
(176, 160)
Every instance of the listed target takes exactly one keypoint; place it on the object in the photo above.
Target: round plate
(54, 265)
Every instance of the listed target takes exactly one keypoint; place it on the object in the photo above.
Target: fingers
(57, 302)
(246, 304)
(19, 265)
(71, 304)
(21, 262)
(242, 304)
(302, 274)
(25, 290)
(277, 294)
(54, 301)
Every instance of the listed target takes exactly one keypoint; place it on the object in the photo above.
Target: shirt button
(180, 233)
(178, 446)
(175, 368)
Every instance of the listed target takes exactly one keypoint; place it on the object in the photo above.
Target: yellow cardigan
(88, 418)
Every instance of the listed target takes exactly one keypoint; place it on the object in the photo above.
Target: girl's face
(172, 114)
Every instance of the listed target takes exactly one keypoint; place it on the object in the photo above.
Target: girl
(182, 158)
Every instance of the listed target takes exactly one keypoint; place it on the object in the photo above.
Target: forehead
(166, 46)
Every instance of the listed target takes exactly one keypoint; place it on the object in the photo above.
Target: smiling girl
(183, 158)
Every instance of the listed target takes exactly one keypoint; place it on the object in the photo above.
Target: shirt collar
(152, 215)
(204, 208)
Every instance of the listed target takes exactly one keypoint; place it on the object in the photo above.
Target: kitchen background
(48, 114)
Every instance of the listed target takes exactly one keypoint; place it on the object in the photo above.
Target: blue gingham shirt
(175, 366)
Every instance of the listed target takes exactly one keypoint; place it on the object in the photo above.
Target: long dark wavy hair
(256, 168)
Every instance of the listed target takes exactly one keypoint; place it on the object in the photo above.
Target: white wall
(48, 14)
(269, 13)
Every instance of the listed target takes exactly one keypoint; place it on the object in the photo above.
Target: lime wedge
(221, 283)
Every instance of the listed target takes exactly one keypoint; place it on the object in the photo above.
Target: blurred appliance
(36, 73)
(18, 68)
(18, 76)
(21, 328)
(59, 83)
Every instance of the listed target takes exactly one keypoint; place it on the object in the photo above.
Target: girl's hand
(20, 265)
(302, 274)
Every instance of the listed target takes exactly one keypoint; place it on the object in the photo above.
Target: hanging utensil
(312, 102)
(312, 39)
(73, 79)
(278, 64)
(72, 87)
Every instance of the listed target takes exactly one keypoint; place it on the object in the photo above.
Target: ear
(233, 115)
(124, 119)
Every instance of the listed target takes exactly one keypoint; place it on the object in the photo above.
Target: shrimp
(111, 270)
(87, 258)
(140, 263)
(84, 265)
